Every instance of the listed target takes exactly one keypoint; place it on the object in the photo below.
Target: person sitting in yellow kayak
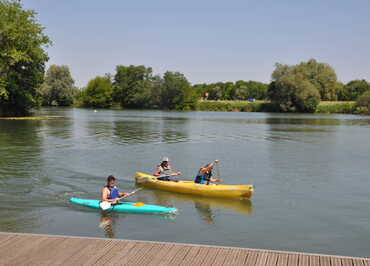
(204, 175)
(164, 171)
(110, 192)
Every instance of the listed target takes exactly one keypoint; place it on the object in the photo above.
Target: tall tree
(292, 91)
(58, 87)
(22, 58)
(132, 86)
(98, 93)
(176, 92)
(322, 76)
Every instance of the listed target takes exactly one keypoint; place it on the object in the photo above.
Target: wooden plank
(149, 256)
(293, 259)
(231, 259)
(23, 249)
(159, 256)
(282, 259)
(272, 259)
(176, 260)
(123, 257)
(202, 255)
(190, 256)
(335, 261)
(40, 253)
(262, 259)
(304, 260)
(222, 254)
(170, 255)
(211, 257)
(116, 253)
(325, 261)
(90, 253)
(142, 253)
(347, 262)
(251, 259)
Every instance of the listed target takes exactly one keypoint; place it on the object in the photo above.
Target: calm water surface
(311, 173)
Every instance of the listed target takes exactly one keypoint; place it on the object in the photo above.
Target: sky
(206, 40)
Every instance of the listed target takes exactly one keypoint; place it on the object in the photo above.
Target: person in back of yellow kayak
(164, 171)
(204, 175)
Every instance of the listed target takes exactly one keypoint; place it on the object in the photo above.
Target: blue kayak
(128, 207)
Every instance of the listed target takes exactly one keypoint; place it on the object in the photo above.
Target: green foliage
(58, 87)
(98, 93)
(292, 91)
(234, 106)
(355, 88)
(176, 92)
(240, 90)
(22, 58)
(133, 86)
(322, 76)
(363, 103)
(340, 107)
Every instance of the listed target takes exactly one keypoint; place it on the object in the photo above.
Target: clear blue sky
(207, 40)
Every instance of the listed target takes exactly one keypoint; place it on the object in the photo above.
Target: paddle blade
(105, 205)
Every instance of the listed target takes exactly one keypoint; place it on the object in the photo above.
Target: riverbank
(325, 107)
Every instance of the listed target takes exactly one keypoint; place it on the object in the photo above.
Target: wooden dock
(31, 249)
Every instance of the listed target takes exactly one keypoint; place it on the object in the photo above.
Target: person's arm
(105, 194)
(123, 194)
(157, 172)
(210, 166)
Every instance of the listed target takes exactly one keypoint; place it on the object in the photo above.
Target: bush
(363, 103)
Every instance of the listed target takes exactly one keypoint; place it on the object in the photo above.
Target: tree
(132, 86)
(322, 76)
(22, 58)
(363, 103)
(355, 88)
(292, 91)
(58, 87)
(98, 93)
(176, 92)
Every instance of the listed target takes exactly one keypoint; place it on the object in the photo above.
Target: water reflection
(143, 131)
(204, 206)
(107, 221)
(20, 172)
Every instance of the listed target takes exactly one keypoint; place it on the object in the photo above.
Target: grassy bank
(324, 107)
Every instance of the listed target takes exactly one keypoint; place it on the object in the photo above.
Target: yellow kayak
(189, 187)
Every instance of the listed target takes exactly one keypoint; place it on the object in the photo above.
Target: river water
(311, 176)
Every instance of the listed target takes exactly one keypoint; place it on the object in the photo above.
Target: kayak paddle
(105, 205)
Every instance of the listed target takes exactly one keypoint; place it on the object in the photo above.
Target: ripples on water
(310, 172)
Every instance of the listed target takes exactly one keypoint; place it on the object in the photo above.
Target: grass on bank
(325, 107)
(43, 117)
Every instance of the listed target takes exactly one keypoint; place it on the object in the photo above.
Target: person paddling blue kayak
(110, 192)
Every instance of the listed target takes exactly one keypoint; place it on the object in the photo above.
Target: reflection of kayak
(240, 206)
(189, 187)
(129, 207)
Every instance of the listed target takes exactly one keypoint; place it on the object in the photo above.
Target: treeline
(24, 85)
(137, 87)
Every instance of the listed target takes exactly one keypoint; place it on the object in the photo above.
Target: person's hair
(111, 178)
(164, 163)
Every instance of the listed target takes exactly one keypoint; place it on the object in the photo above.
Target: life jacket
(163, 172)
(201, 179)
(114, 193)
